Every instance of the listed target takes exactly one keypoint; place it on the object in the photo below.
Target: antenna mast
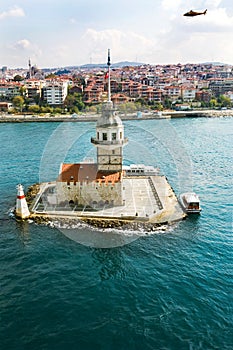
(109, 82)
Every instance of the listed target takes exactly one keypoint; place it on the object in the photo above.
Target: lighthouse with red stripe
(21, 210)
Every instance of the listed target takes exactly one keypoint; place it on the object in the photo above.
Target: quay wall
(13, 118)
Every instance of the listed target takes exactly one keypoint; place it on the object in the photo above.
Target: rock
(99, 223)
(32, 192)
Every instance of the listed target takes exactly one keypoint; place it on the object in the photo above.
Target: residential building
(219, 87)
(188, 93)
(203, 95)
(54, 92)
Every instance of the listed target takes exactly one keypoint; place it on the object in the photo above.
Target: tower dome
(109, 116)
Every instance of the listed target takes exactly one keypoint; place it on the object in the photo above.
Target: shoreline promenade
(14, 118)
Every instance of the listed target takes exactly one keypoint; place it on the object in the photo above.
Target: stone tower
(109, 138)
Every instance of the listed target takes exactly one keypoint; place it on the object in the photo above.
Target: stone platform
(146, 199)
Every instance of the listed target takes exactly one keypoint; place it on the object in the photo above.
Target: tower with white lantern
(109, 139)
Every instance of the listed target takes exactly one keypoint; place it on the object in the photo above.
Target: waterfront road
(88, 117)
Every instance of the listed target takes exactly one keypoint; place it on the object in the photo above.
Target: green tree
(128, 107)
(167, 103)
(213, 103)
(46, 109)
(159, 106)
(141, 100)
(122, 108)
(138, 106)
(34, 109)
(18, 102)
(92, 109)
(131, 107)
(224, 101)
(22, 90)
(57, 110)
(204, 104)
(18, 77)
(74, 100)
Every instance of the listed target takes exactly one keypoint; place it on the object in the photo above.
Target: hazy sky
(72, 32)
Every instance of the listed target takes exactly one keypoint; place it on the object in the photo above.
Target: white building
(188, 93)
(54, 93)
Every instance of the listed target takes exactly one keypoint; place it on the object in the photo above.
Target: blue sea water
(169, 290)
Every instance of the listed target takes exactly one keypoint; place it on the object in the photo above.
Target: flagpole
(109, 82)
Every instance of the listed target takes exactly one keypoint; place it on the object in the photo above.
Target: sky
(73, 32)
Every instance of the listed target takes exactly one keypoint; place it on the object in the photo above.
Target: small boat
(190, 202)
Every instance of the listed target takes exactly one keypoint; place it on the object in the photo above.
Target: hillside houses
(153, 84)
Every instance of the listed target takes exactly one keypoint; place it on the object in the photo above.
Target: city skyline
(53, 34)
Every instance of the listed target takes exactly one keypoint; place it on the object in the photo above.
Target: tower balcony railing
(108, 143)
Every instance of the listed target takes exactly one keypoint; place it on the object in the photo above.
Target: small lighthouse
(21, 210)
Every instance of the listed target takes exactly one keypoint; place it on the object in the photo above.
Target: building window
(121, 135)
(105, 136)
(113, 151)
(113, 136)
(98, 135)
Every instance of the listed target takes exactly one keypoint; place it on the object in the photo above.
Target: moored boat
(190, 202)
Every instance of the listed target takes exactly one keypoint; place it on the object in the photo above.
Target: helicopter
(192, 13)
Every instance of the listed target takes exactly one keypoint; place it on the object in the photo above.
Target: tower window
(113, 136)
(105, 136)
(98, 135)
(121, 135)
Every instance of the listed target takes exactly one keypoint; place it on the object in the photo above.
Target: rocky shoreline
(100, 224)
(32, 191)
(218, 113)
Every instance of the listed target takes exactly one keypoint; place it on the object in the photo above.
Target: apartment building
(203, 95)
(33, 88)
(93, 94)
(220, 87)
(188, 93)
(173, 92)
(9, 89)
(54, 92)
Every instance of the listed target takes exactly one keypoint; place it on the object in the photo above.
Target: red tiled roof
(87, 172)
